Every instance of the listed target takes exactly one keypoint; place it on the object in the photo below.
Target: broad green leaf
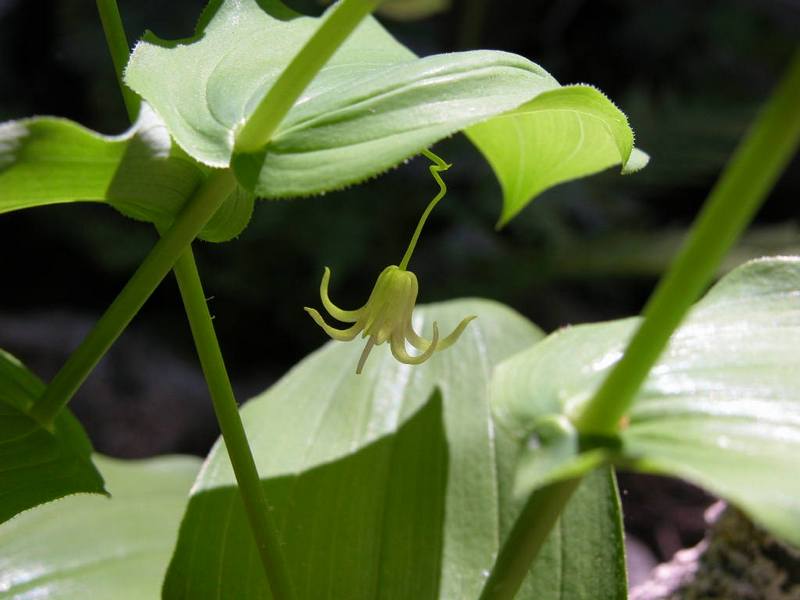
(560, 135)
(93, 547)
(45, 160)
(372, 106)
(37, 465)
(374, 477)
(721, 408)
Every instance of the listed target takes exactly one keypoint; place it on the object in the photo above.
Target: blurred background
(690, 74)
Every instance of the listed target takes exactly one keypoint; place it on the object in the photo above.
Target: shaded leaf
(93, 547)
(372, 106)
(584, 557)
(46, 160)
(353, 528)
(721, 408)
(37, 465)
(336, 451)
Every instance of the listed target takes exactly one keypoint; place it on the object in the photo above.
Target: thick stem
(197, 212)
(244, 467)
(120, 51)
(744, 185)
(438, 165)
(252, 492)
(520, 548)
(340, 23)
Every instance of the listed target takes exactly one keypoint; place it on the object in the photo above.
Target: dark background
(690, 74)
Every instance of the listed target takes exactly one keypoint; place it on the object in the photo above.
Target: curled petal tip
(400, 353)
(340, 314)
(453, 337)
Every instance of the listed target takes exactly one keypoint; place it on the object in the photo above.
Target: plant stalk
(253, 496)
(743, 186)
(191, 220)
(739, 192)
(198, 211)
(530, 530)
(256, 505)
(174, 248)
(337, 26)
(117, 43)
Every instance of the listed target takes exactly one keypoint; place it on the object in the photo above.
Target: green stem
(120, 51)
(213, 364)
(254, 499)
(340, 22)
(744, 185)
(520, 548)
(438, 165)
(197, 212)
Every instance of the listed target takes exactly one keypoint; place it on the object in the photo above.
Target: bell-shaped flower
(385, 317)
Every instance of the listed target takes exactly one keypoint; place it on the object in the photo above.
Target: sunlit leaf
(46, 160)
(563, 134)
(372, 106)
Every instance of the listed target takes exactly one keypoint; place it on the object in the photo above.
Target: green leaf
(721, 408)
(372, 106)
(93, 547)
(584, 557)
(560, 135)
(372, 477)
(37, 465)
(45, 160)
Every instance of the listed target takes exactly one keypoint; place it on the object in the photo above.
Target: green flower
(387, 314)
(385, 317)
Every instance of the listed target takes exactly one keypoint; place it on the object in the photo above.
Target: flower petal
(364, 355)
(453, 337)
(399, 349)
(343, 335)
(347, 316)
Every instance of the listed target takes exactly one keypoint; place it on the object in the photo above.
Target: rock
(639, 558)
(736, 561)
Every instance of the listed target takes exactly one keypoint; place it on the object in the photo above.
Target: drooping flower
(386, 316)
